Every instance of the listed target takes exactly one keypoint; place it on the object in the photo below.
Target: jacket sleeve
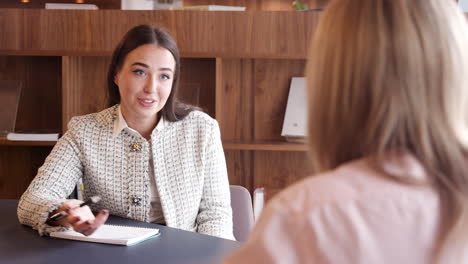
(54, 182)
(215, 213)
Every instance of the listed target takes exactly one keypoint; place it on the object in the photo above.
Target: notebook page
(111, 234)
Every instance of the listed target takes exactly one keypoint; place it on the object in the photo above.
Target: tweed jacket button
(135, 147)
(136, 201)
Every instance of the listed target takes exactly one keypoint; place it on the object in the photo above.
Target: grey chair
(242, 212)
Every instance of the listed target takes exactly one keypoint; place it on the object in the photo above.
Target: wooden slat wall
(199, 34)
(259, 5)
(235, 105)
(84, 86)
(101, 4)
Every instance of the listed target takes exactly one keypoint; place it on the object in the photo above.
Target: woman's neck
(144, 126)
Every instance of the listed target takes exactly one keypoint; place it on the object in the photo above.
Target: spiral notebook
(111, 234)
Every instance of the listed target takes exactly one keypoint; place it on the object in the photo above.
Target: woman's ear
(116, 79)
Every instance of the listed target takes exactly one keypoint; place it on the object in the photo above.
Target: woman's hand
(80, 218)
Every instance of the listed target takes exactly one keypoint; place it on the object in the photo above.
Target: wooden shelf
(201, 34)
(264, 146)
(5, 142)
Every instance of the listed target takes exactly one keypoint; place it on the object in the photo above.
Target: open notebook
(111, 234)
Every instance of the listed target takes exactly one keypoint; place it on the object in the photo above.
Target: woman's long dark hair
(173, 110)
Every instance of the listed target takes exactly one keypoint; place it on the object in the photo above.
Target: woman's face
(145, 82)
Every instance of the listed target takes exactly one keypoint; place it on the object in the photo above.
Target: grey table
(21, 244)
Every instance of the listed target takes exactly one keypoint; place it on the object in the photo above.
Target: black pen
(62, 214)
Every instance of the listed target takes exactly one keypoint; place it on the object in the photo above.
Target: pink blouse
(352, 214)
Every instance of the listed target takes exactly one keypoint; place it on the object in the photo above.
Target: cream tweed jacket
(190, 172)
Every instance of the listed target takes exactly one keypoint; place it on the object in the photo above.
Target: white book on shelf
(213, 8)
(167, 4)
(150, 4)
(258, 202)
(70, 6)
(32, 136)
(137, 4)
(295, 118)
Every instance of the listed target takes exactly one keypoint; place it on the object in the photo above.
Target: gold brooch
(136, 147)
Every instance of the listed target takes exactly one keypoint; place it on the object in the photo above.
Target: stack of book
(213, 8)
(70, 6)
(33, 136)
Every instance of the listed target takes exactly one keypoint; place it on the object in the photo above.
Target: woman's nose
(151, 85)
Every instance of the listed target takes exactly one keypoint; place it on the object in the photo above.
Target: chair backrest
(242, 212)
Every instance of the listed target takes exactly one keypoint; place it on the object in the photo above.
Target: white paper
(295, 118)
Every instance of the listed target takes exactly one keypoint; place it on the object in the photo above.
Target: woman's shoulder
(356, 182)
(324, 188)
(97, 119)
(199, 118)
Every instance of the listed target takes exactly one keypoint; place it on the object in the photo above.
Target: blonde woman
(387, 82)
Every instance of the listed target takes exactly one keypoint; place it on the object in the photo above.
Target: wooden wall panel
(101, 4)
(197, 83)
(12, 29)
(199, 34)
(18, 166)
(235, 99)
(276, 170)
(84, 86)
(240, 168)
(40, 102)
(259, 5)
(272, 80)
(251, 101)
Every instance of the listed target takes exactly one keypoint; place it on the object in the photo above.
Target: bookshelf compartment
(197, 83)
(272, 81)
(40, 104)
(252, 97)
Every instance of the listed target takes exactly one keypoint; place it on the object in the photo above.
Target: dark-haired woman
(148, 156)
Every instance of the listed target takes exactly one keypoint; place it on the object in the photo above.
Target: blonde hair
(388, 75)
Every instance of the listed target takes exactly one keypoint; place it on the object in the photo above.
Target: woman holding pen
(148, 156)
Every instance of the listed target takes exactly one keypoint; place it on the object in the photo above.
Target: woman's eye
(139, 72)
(165, 77)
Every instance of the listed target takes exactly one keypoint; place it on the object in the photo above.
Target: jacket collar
(120, 124)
